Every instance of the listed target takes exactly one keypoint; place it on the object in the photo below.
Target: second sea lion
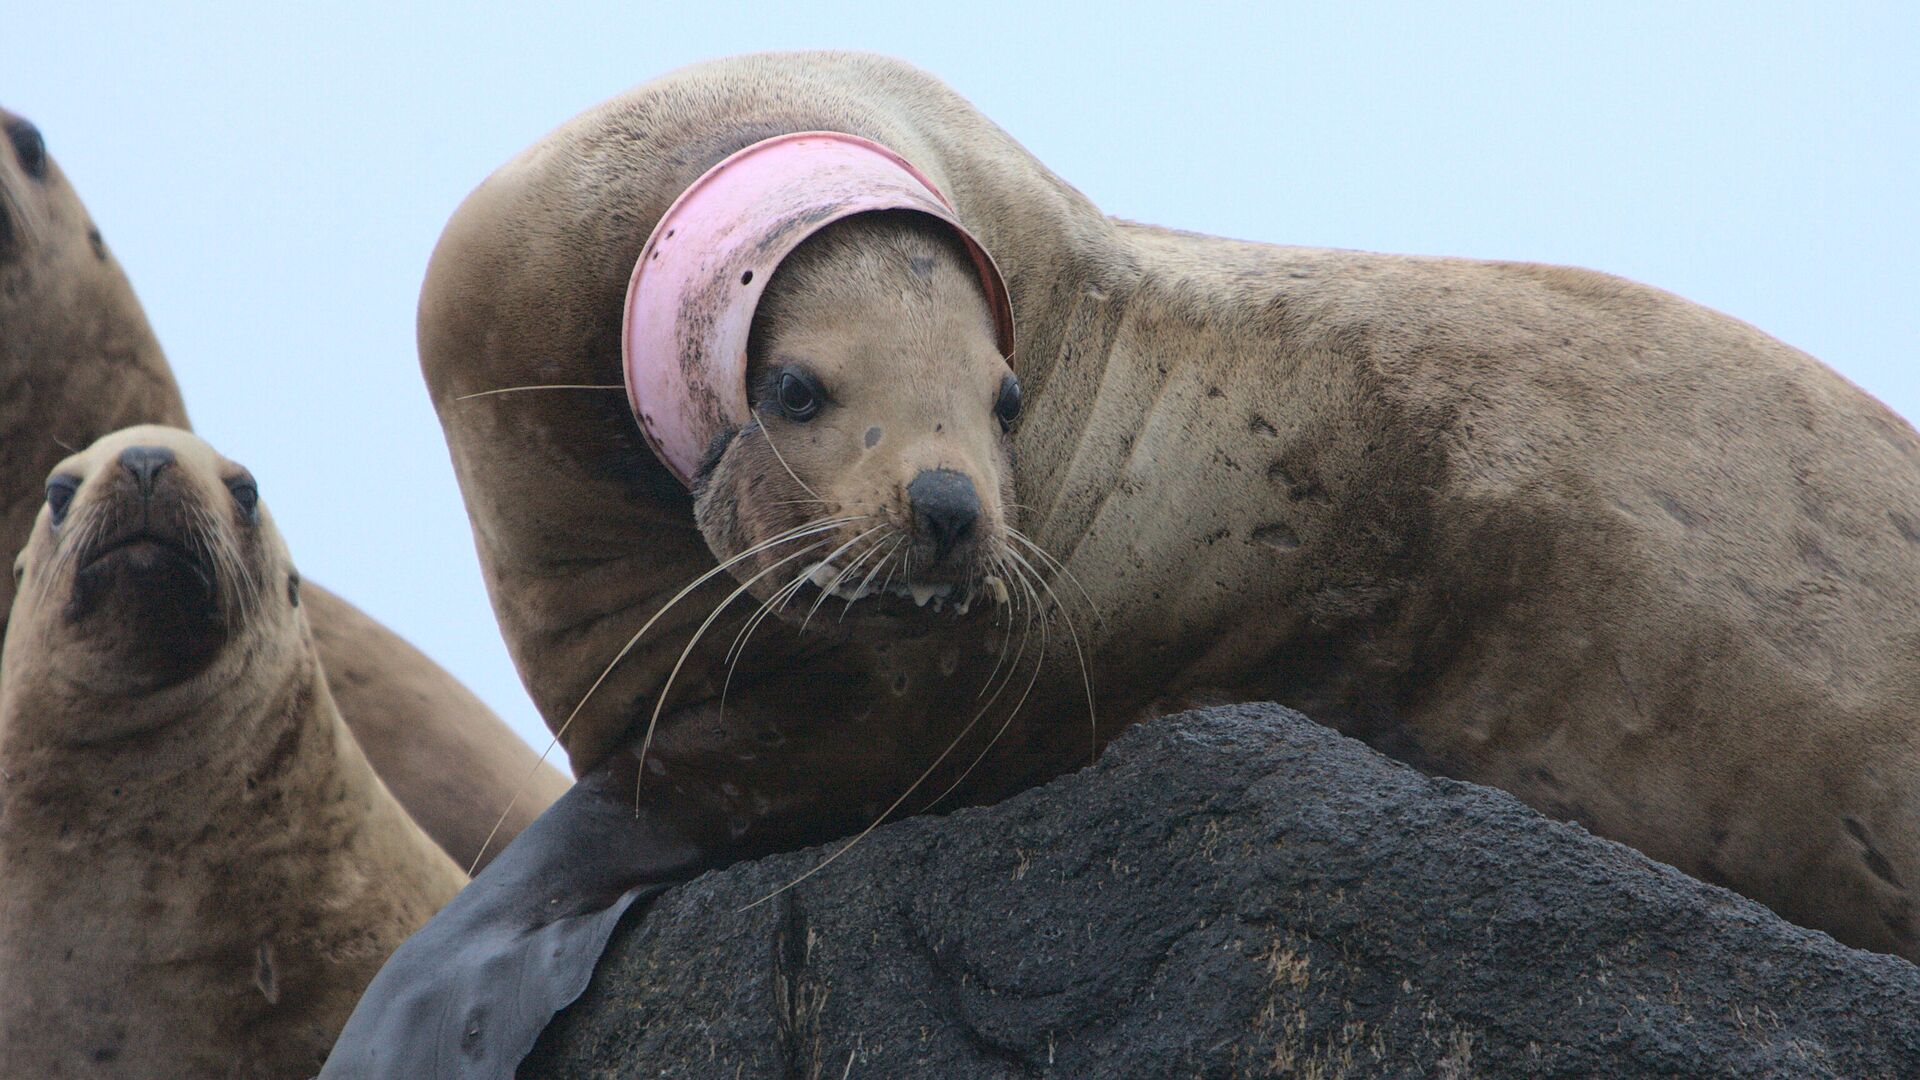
(78, 360)
(199, 871)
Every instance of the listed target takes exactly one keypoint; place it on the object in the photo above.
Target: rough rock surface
(1232, 892)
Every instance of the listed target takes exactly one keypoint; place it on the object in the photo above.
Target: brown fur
(1537, 527)
(199, 871)
(78, 360)
(893, 373)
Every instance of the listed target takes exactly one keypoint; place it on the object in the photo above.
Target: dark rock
(1232, 892)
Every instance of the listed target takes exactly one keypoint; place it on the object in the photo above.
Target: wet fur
(1538, 527)
(78, 360)
(199, 871)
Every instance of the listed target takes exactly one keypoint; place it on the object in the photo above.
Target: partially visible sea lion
(199, 871)
(1536, 527)
(78, 360)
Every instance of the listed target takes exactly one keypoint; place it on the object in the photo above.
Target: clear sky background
(274, 177)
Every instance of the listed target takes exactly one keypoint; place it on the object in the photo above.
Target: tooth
(923, 593)
(997, 587)
(822, 574)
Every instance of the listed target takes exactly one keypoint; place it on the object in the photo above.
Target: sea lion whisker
(80, 538)
(1086, 677)
(1057, 567)
(1013, 667)
(903, 554)
(1039, 661)
(828, 590)
(777, 599)
(888, 812)
(205, 535)
(31, 218)
(660, 701)
(779, 596)
(225, 553)
(782, 459)
(799, 532)
(202, 546)
(547, 386)
(1006, 641)
(796, 533)
(893, 545)
(852, 568)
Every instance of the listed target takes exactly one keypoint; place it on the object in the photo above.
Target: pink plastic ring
(691, 299)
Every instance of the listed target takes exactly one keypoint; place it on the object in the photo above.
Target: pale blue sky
(274, 179)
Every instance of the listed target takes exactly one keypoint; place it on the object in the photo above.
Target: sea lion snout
(946, 511)
(144, 463)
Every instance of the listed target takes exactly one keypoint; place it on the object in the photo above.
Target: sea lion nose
(145, 463)
(945, 508)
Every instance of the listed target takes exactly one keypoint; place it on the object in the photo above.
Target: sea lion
(78, 360)
(199, 871)
(1537, 527)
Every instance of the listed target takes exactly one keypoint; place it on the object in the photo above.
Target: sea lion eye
(60, 491)
(246, 495)
(30, 147)
(1007, 405)
(799, 396)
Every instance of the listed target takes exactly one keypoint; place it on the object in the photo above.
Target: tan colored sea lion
(1537, 527)
(78, 360)
(199, 871)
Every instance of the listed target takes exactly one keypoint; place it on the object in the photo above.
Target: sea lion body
(199, 871)
(1536, 527)
(78, 360)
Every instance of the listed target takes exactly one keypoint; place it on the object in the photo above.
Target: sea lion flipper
(469, 994)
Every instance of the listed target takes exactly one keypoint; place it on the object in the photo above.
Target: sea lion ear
(19, 567)
(700, 275)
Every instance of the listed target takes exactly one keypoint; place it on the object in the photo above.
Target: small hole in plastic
(746, 278)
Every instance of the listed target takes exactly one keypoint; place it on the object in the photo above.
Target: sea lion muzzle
(144, 463)
(945, 510)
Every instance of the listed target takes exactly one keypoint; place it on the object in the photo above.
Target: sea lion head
(77, 356)
(877, 439)
(153, 573)
(52, 257)
(819, 349)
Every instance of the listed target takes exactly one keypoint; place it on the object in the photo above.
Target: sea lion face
(875, 467)
(150, 562)
(45, 232)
